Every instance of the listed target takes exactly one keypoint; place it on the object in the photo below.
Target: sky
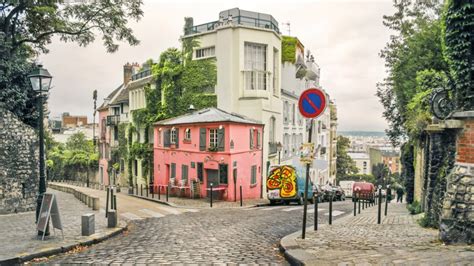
(345, 37)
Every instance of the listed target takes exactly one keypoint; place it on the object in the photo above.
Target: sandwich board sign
(49, 209)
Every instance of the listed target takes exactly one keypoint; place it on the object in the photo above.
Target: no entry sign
(312, 103)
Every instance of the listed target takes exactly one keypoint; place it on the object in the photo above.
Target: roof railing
(240, 20)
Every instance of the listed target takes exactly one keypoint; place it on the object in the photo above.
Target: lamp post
(40, 82)
(279, 148)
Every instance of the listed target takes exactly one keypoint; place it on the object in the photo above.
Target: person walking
(400, 194)
(389, 193)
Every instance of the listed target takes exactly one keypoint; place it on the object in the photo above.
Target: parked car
(286, 184)
(319, 192)
(339, 193)
(327, 192)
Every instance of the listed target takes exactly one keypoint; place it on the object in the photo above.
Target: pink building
(209, 146)
(103, 145)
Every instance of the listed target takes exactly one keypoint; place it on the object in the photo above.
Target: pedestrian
(389, 193)
(400, 194)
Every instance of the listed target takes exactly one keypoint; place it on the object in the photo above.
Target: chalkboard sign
(49, 209)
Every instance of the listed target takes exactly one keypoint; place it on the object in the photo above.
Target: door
(212, 177)
(167, 175)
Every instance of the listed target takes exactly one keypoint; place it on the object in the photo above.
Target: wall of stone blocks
(19, 170)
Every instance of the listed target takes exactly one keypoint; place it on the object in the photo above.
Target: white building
(247, 49)
(362, 161)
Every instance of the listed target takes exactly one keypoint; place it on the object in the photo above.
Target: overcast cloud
(345, 36)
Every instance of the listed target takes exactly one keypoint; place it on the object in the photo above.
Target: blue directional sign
(312, 103)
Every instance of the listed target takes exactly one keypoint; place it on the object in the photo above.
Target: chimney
(127, 73)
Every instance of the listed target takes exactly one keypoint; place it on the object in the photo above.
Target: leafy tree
(381, 173)
(415, 47)
(358, 177)
(344, 163)
(27, 27)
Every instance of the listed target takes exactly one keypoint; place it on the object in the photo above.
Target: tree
(344, 163)
(382, 174)
(28, 26)
(415, 47)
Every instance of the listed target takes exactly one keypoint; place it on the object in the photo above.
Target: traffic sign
(312, 103)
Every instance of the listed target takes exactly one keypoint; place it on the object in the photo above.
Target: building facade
(362, 161)
(207, 148)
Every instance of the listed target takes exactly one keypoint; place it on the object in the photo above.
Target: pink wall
(188, 151)
(103, 162)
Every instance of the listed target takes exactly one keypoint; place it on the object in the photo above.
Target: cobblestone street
(248, 235)
(360, 240)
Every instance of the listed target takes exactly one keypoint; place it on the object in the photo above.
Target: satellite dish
(441, 104)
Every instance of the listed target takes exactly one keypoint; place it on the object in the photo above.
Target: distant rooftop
(239, 17)
(358, 155)
(208, 115)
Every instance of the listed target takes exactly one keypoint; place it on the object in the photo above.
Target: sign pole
(305, 210)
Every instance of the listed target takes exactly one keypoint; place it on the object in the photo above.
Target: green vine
(288, 49)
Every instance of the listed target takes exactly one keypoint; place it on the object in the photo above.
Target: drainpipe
(261, 167)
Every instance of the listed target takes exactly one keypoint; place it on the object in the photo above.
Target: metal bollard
(316, 202)
(241, 202)
(330, 209)
(358, 202)
(141, 189)
(115, 202)
(136, 186)
(112, 207)
(355, 205)
(211, 195)
(146, 188)
(386, 205)
(379, 213)
(107, 203)
(159, 193)
(167, 193)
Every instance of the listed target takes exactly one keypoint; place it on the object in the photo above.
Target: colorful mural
(283, 179)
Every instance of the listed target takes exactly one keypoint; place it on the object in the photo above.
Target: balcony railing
(141, 74)
(272, 148)
(240, 20)
(113, 120)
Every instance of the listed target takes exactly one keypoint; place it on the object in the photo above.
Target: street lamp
(279, 148)
(40, 82)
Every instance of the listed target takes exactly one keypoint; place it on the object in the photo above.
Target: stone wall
(18, 164)
(457, 219)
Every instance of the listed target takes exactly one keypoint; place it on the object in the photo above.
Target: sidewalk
(18, 231)
(360, 240)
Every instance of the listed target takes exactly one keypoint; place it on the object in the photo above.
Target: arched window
(272, 129)
(187, 134)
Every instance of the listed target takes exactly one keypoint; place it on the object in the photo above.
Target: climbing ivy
(288, 49)
(458, 48)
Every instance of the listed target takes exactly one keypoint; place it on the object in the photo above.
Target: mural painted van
(286, 184)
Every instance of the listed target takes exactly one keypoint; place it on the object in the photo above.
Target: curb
(193, 207)
(53, 251)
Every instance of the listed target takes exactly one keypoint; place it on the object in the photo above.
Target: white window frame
(173, 136)
(275, 71)
(255, 66)
(213, 137)
(187, 134)
(205, 52)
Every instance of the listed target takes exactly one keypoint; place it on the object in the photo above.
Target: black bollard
(241, 202)
(379, 213)
(330, 209)
(107, 203)
(211, 195)
(316, 199)
(159, 193)
(146, 188)
(112, 207)
(363, 204)
(167, 193)
(358, 201)
(141, 189)
(386, 205)
(355, 205)
(115, 202)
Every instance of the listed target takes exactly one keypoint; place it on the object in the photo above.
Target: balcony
(272, 147)
(141, 74)
(237, 17)
(113, 120)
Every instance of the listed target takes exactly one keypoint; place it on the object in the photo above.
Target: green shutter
(184, 172)
(251, 139)
(177, 138)
(220, 139)
(202, 139)
(173, 170)
(253, 180)
(259, 141)
(223, 173)
(166, 138)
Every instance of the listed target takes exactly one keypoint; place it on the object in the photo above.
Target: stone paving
(233, 235)
(360, 240)
(18, 231)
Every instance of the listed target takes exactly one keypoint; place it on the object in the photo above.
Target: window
(255, 66)
(213, 137)
(184, 173)
(275, 71)
(253, 178)
(259, 142)
(205, 52)
(272, 130)
(187, 134)
(223, 174)
(174, 135)
(286, 108)
(173, 170)
(293, 112)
